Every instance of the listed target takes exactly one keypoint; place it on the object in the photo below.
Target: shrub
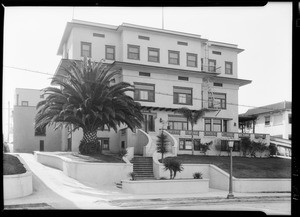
(197, 175)
(163, 178)
(246, 145)
(272, 149)
(161, 145)
(89, 148)
(173, 165)
(132, 175)
(205, 146)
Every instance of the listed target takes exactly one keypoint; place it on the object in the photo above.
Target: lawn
(244, 167)
(12, 165)
(98, 158)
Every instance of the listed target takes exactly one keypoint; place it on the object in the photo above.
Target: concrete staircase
(143, 167)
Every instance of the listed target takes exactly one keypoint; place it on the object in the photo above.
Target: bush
(122, 153)
(163, 178)
(12, 165)
(197, 175)
(246, 145)
(272, 149)
(173, 165)
(132, 175)
(89, 148)
(205, 146)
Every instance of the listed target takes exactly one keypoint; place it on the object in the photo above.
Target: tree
(87, 100)
(192, 117)
(162, 143)
(246, 145)
(173, 165)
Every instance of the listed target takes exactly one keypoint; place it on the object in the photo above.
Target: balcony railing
(212, 69)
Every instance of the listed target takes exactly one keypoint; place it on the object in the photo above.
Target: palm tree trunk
(89, 144)
(90, 136)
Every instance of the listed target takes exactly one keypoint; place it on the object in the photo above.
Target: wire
(194, 98)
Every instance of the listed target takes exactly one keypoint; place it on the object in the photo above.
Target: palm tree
(192, 117)
(87, 100)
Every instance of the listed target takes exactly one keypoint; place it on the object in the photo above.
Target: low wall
(87, 172)
(19, 185)
(262, 185)
(174, 186)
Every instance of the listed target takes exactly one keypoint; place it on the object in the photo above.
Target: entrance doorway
(149, 124)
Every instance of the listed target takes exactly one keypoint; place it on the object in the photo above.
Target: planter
(18, 185)
(174, 186)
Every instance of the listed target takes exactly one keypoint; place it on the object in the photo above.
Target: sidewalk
(53, 187)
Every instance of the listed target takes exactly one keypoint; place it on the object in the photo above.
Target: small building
(274, 119)
(26, 138)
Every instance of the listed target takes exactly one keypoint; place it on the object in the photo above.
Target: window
(182, 43)
(133, 52)
(191, 60)
(174, 57)
(218, 101)
(24, 103)
(207, 123)
(40, 131)
(110, 52)
(144, 92)
(197, 145)
(144, 74)
(267, 120)
(149, 122)
(98, 35)
(104, 142)
(236, 146)
(212, 65)
(290, 118)
(201, 64)
(224, 125)
(224, 145)
(144, 37)
(182, 95)
(69, 143)
(177, 122)
(228, 68)
(217, 125)
(218, 84)
(186, 144)
(183, 78)
(86, 49)
(153, 54)
(41, 145)
(216, 52)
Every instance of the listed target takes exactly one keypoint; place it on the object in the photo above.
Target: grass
(12, 165)
(244, 167)
(98, 158)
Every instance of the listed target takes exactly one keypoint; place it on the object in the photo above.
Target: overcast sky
(32, 36)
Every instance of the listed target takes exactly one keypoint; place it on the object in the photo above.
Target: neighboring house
(26, 138)
(274, 119)
(169, 70)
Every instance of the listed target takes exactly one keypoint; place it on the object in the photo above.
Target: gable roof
(285, 105)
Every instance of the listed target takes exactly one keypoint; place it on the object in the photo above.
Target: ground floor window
(186, 144)
(41, 145)
(177, 122)
(149, 122)
(216, 125)
(104, 142)
(225, 147)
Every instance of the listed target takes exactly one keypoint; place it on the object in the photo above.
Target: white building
(274, 119)
(169, 70)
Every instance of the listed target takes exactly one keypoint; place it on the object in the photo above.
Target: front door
(149, 124)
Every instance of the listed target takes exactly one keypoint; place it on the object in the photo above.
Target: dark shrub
(173, 165)
(89, 148)
(197, 175)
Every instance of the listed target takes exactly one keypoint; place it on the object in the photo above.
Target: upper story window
(191, 59)
(153, 54)
(86, 49)
(147, 74)
(228, 68)
(24, 103)
(267, 120)
(133, 52)
(182, 43)
(144, 92)
(177, 122)
(207, 124)
(174, 57)
(216, 52)
(40, 131)
(182, 78)
(182, 95)
(218, 100)
(144, 37)
(218, 84)
(202, 64)
(110, 52)
(212, 65)
(98, 35)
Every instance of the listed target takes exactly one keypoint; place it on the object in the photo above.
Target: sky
(32, 36)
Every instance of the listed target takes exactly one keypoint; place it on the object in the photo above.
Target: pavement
(52, 189)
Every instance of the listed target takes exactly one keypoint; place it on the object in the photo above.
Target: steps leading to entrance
(143, 167)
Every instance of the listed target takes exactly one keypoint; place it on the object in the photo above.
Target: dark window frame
(176, 95)
(184, 144)
(102, 143)
(153, 50)
(218, 84)
(219, 124)
(189, 61)
(177, 59)
(182, 43)
(217, 52)
(144, 37)
(114, 52)
(22, 103)
(178, 122)
(207, 124)
(222, 101)
(147, 74)
(268, 122)
(42, 145)
(231, 68)
(90, 49)
(137, 96)
(99, 35)
(214, 67)
(138, 53)
(290, 118)
(183, 78)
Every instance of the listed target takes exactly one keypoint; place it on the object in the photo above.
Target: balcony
(211, 69)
